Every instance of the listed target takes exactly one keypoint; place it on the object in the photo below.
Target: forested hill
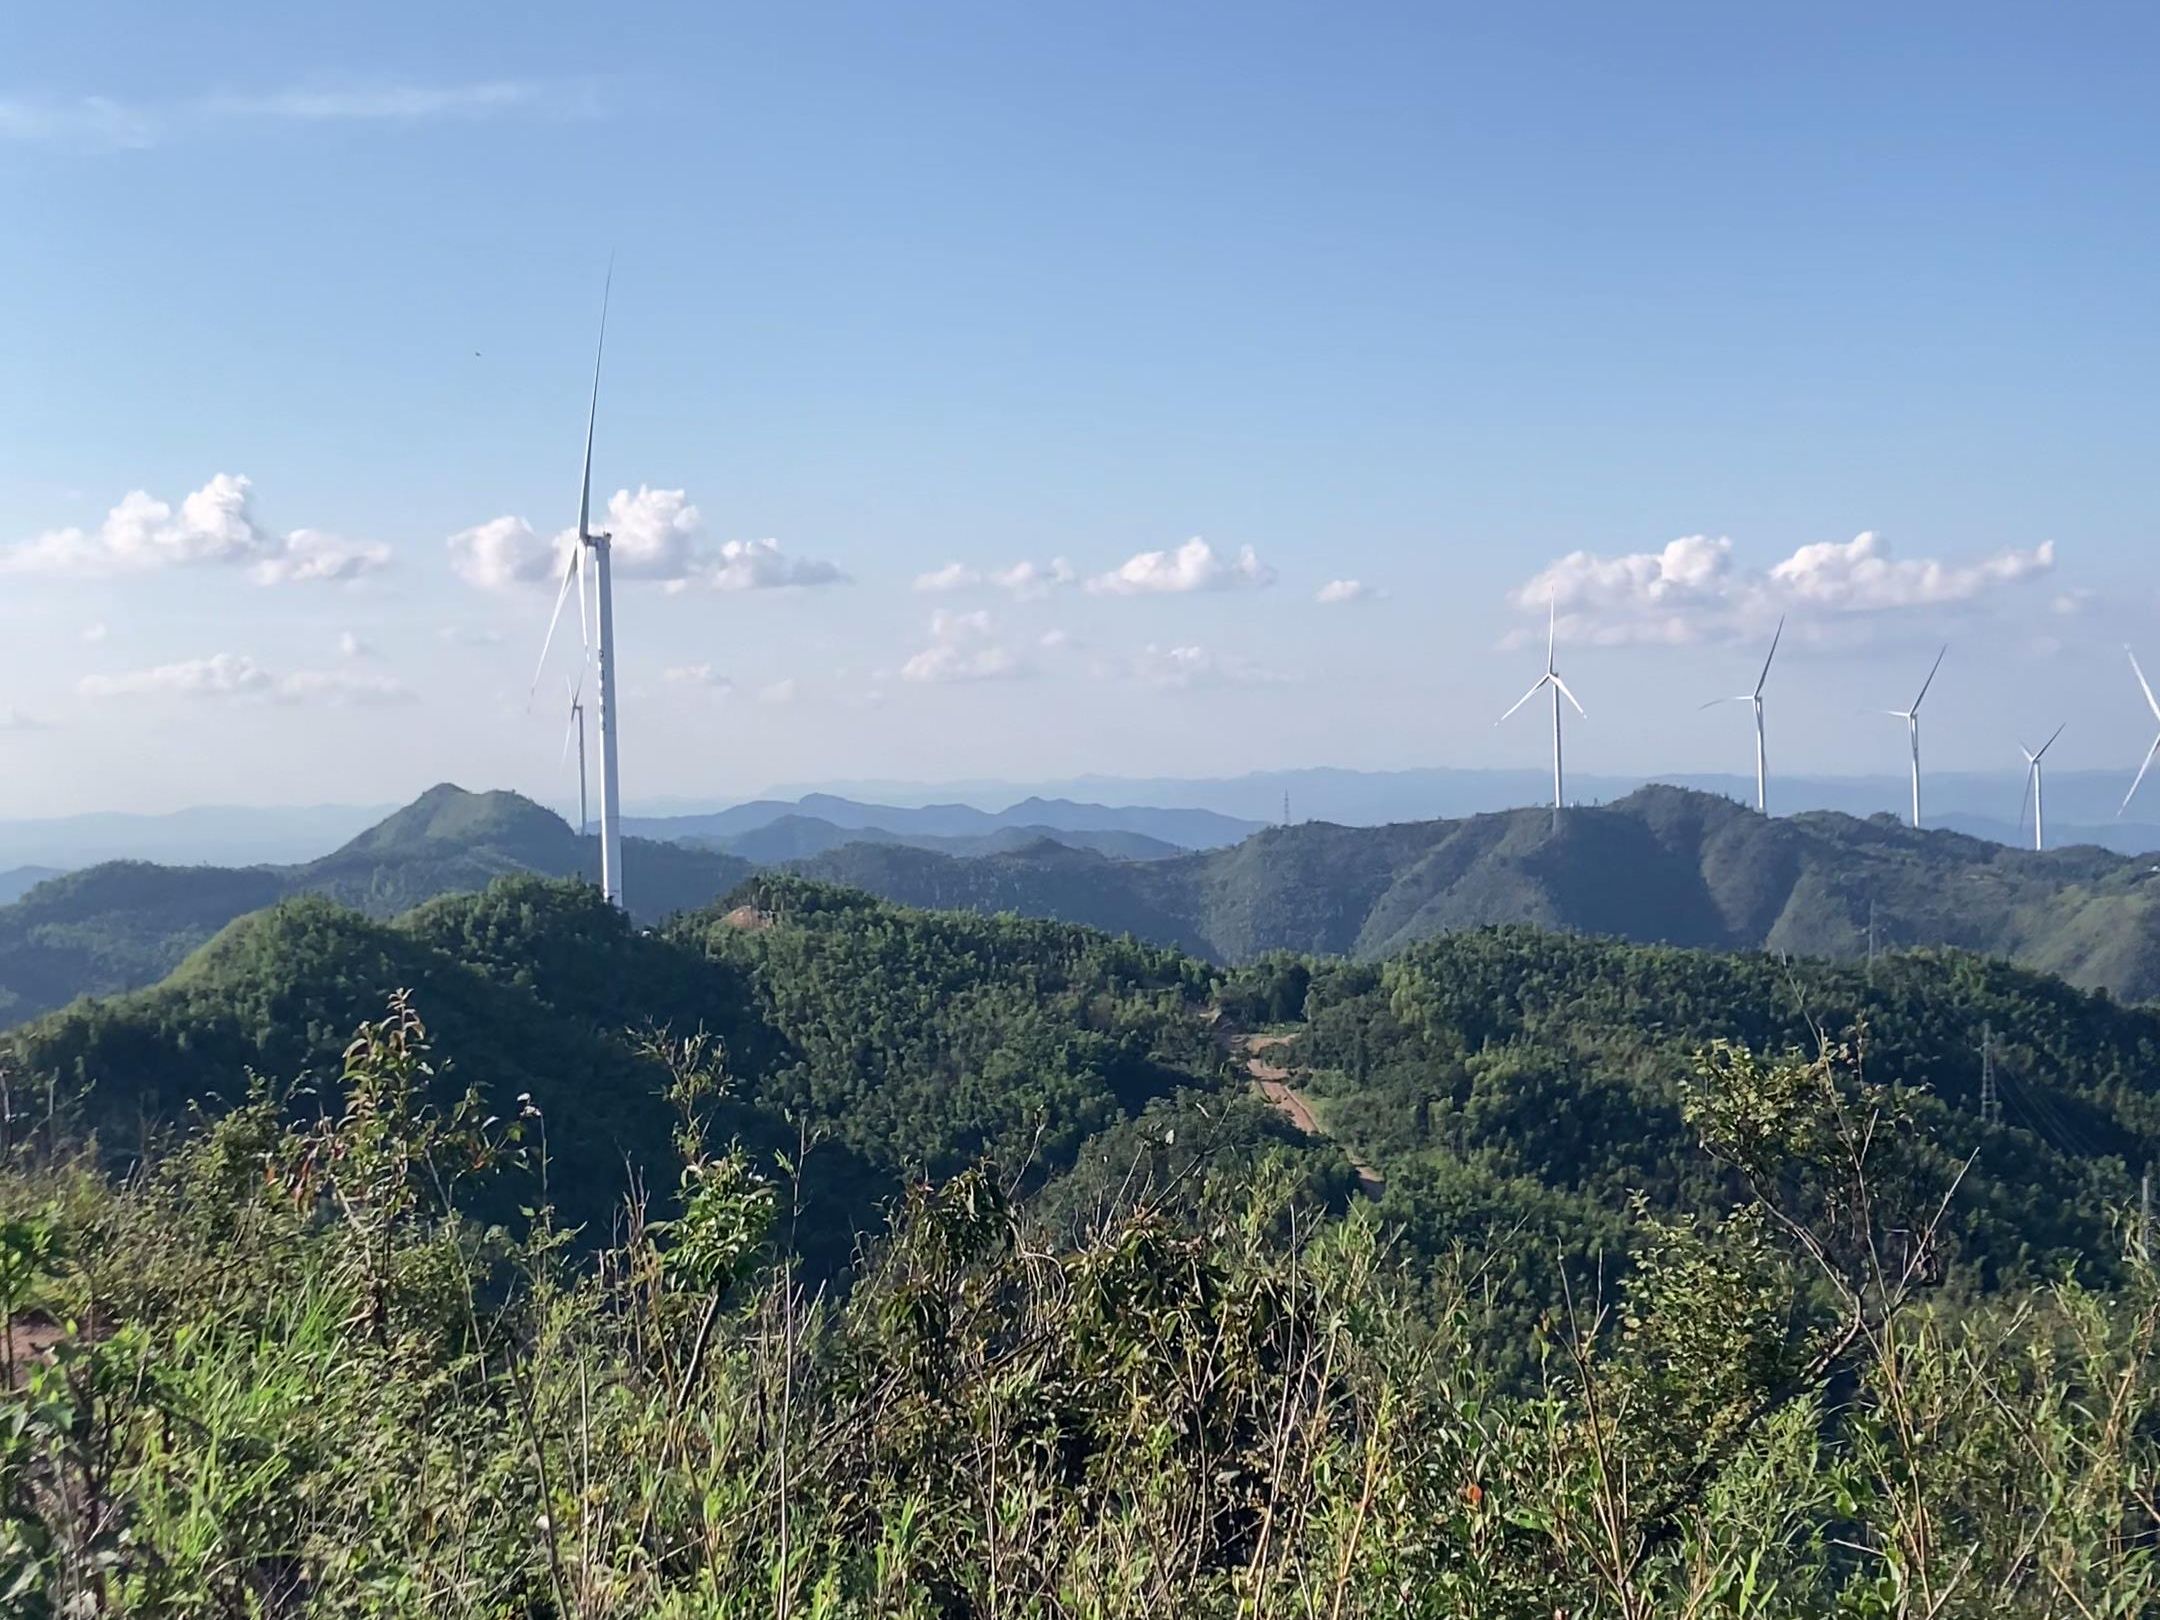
(1511, 1086)
(1664, 865)
(124, 924)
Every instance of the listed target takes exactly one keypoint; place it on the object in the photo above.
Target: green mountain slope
(125, 924)
(1513, 1087)
(1664, 865)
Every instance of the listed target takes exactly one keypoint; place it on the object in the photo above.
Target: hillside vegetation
(282, 1369)
(1500, 1082)
(1663, 865)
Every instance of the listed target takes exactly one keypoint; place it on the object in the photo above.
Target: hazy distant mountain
(1664, 864)
(794, 838)
(19, 881)
(121, 924)
(2082, 805)
(1184, 828)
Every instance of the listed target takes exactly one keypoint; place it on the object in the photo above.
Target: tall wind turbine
(1551, 678)
(1762, 776)
(2033, 775)
(1911, 717)
(604, 648)
(2152, 703)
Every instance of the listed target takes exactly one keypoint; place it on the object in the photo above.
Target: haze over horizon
(1007, 396)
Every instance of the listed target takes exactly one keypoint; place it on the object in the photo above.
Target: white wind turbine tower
(1551, 678)
(604, 650)
(575, 729)
(2152, 703)
(1762, 776)
(1911, 717)
(2033, 784)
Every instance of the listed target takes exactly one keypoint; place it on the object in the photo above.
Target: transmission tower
(1990, 1098)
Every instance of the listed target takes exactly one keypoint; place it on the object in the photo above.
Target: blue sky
(1461, 304)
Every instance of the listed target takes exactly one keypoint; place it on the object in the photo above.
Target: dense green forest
(1505, 1084)
(281, 1370)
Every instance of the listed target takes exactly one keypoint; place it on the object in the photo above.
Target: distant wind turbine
(2152, 703)
(1911, 717)
(2033, 784)
(1762, 776)
(1551, 678)
(576, 730)
(604, 650)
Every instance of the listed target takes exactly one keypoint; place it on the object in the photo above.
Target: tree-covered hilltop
(1497, 1082)
(1480, 1068)
(125, 924)
(1664, 865)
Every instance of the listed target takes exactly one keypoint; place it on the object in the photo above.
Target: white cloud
(1051, 640)
(1188, 666)
(953, 576)
(780, 691)
(1692, 589)
(12, 719)
(759, 565)
(311, 556)
(1338, 591)
(95, 633)
(103, 123)
(1025, 581)
(503, 552)
(1861, 575)
(350, 645)
(697, 675)
(655, 534)
(1194, 566)
(470, 635)
(234, 675)
(963, 647)
(215, 525)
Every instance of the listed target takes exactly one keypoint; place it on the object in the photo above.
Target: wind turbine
(2033, 776)
(576, 729)
(2152, 703)
(1762, 778)
(604, 650)
(1551, 678)
(1911, 717)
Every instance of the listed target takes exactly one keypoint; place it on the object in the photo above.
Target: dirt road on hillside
(1272, 1081)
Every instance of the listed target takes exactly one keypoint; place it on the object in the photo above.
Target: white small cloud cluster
(700, 675)
(1338, 592)
(1194, 566)
(963, 647)
(227, 676)
(214, 526)
(1025, 581)
(655, 534)
(1691, 589)
(1187, 666)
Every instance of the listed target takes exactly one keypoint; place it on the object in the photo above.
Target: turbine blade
(1552, 627)
(2151, 701)
(2050, 743)
(1930, 681)
(584, 623)
(1570, 696)
(577, 550)
(1738, 697)
(2142, 769)
(570, 727)
(1775, 637)
(592, 415)
(2025, 804)
(1535, 689)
